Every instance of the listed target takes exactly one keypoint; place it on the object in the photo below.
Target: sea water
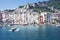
(31, 32)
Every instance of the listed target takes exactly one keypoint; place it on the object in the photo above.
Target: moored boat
(14, 29)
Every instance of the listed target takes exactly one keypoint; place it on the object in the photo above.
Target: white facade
(3, 17)
(35, 17)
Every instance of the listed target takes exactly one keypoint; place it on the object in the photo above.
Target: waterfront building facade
(40, 19)
(56, 17)
(25, 16)
(0, 17)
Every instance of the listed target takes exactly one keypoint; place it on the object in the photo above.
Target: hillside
(55, 3)
(40, 7)
(43, 6)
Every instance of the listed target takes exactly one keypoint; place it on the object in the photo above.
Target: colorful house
(0, 17)
(16, 18)
(3, 17)
(44, 16)
(49, 17)
(7, 17)
(55, 17)
(40, 19)
(35, 17)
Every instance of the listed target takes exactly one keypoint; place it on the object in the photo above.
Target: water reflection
(31, 32)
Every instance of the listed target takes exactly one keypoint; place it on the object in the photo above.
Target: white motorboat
(57, 25)
(10, 30)
(17, 29)
(14, 29)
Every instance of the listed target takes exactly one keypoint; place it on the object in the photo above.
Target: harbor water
(31, 32)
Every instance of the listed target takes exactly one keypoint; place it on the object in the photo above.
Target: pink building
(0, 17)
(40, 19)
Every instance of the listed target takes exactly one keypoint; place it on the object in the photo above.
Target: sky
(12, 4)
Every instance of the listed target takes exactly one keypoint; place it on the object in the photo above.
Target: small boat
(17, 29)
(10, 30)
(57, 24)
(13, 29)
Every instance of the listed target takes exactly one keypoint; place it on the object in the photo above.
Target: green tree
(55, 3)
(20, 6)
